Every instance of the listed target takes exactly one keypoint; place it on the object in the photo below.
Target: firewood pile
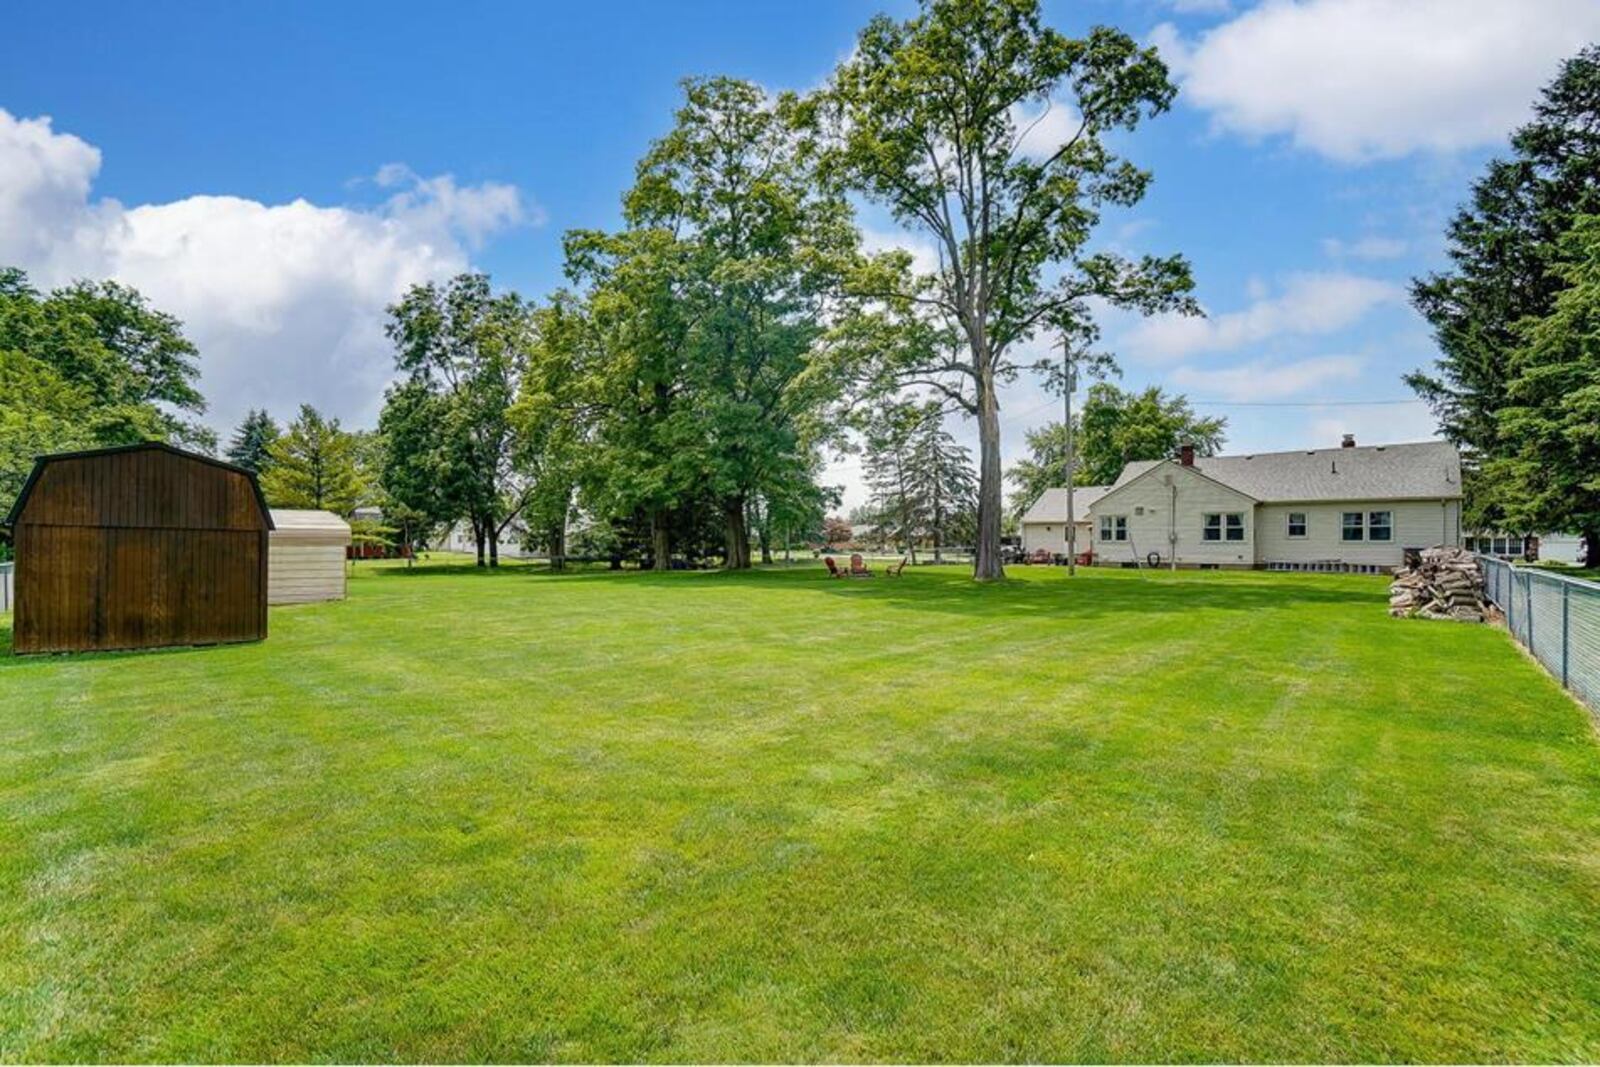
(1443, 583)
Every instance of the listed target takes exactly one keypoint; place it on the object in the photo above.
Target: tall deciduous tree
(1119, 427)
(768, 244)
(470, 346)
(1503, 248)
(938, 118)
(252, 441)
(1548, 453)
(129, 361)
(622, 351)
(314, 466)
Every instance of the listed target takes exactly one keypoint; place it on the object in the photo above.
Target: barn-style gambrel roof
(45, 461)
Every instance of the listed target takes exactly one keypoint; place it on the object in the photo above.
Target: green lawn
(773, 816)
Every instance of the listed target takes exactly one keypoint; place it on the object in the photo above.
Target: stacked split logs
(1444, 583)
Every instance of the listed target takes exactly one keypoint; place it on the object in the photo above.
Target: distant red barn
(140, 546)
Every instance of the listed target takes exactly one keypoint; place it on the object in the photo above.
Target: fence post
(1566, 630)
(1529, 606)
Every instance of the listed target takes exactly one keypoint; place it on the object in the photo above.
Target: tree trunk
(1591, 548)
(986, 564)
(477, 536)
(558, 546)
(764, 536)
(660, 542)
(494, 543)
(737, 535)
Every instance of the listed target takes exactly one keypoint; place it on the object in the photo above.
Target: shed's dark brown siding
(138, 548)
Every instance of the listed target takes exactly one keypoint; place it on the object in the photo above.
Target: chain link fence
(1554, 617)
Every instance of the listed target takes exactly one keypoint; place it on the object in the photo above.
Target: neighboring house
(1045, 524)
(1554, 547)
(1347, 508)
(459, 539)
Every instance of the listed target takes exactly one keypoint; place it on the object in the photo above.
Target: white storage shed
(305, 556)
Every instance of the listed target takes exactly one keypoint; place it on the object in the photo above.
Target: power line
(1302, 403)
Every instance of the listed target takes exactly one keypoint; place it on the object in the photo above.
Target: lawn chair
(894, 570)
(833, 568)
(858, 567)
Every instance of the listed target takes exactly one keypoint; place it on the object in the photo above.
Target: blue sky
(275, 174)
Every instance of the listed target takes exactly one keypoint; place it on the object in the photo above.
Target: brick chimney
(1349, 441)
(1186, 454)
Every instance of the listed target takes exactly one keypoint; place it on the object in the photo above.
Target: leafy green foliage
(467, 347)
(1115, 428)
(930, 117)
(1505, 267)
(1120, 427)
(1548, 465)
(87, 365)
(314, 466)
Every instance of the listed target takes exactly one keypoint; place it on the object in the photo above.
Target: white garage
(305, 556)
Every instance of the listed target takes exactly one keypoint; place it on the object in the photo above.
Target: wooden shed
(140, 546)
(305, 558)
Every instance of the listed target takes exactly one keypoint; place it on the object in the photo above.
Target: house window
(1297, 524)
(1380, 526)
(1113, 527)
(1223, 524)
(1353, 529)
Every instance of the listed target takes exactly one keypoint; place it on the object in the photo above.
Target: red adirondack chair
(833, 568)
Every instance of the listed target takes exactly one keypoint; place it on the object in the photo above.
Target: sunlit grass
(776, 816)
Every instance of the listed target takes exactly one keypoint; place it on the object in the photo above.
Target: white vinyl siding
(1147, 501)
(1415, 524)
(1052, 536)
(299, 573)
(305, 557)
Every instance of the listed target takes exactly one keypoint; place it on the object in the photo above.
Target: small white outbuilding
(305, 556)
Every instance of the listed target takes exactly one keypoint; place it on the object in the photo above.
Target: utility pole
(1068, 377)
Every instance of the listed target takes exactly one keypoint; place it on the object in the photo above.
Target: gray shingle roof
(1052, 507)
(1424, 470)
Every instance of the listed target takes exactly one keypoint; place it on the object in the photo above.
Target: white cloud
(1309, 305)
(1265, 380)
(1200, 7)
(1369, 247)
(1366, 79)
(924, 256)
(1044, 128)
(285, 301)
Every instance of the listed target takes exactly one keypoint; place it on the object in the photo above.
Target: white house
(1045, 524)
(1553, 547)
(1347, 508)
